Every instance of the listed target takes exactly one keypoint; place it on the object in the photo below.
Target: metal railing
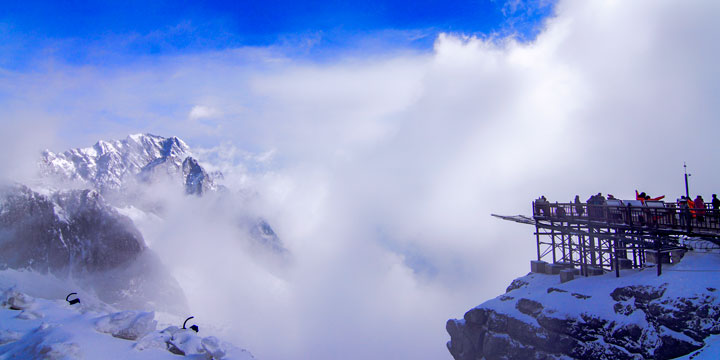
(633, 214)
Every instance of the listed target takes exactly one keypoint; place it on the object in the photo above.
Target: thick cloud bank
(380, 173)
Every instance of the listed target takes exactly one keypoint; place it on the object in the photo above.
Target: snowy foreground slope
(35, 328)
(75, 228)
(639, 315)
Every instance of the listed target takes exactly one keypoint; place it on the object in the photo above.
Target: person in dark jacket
(700, 206)
(560, 212)
(579, 209)
(594, 210)
(685, 216)
(542, 206)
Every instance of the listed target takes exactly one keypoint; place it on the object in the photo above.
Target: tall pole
(687, 201)
(687, 192)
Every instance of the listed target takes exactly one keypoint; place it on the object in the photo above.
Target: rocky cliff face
(68, 230)
(636, 316)
(75, 234)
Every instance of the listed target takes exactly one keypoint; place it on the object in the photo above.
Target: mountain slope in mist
(76, 234)
(142, 169)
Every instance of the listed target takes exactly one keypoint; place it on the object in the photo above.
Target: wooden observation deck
(592, 239)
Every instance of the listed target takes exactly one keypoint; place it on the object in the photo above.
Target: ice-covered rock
(187, 342)
(15, 300)
(46, 341)
(156, 339)
(8, 336)
(129, 325)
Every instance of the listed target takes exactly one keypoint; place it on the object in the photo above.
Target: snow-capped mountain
(637, 316)
(121, 171)
(113, 165)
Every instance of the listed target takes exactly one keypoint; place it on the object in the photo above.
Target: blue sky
(97, 32)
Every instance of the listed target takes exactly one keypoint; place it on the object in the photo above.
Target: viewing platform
(591, 239)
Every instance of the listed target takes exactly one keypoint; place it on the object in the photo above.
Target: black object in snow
(193, 327)
(73, 301)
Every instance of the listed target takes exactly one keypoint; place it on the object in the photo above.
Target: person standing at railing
(595, 206)
(700, 206)
(591, 202)
(542, 206)
(716, 206)
(579, 210)
(685, 216)
(560, 210)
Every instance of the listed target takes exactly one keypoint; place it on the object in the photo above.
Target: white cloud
(202, 112)
(385, 170)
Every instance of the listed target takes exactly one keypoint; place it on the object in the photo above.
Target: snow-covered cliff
(637, 316)
(113, 165)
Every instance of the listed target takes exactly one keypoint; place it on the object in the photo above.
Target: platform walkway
(590, 239)
(651, 217)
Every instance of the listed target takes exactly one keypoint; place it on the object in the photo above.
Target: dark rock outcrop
(70, 230)
(646, 324)
(75, 233)
(197, 180)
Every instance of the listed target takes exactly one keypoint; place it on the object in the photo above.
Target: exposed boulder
(129, 325)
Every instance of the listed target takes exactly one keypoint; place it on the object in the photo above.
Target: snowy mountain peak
(109, 165)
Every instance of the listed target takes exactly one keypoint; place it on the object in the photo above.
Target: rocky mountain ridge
(113, 165)
(636, 316)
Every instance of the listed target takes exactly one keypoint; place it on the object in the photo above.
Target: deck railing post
(552, 238)
(658, 257)
(617, 262)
